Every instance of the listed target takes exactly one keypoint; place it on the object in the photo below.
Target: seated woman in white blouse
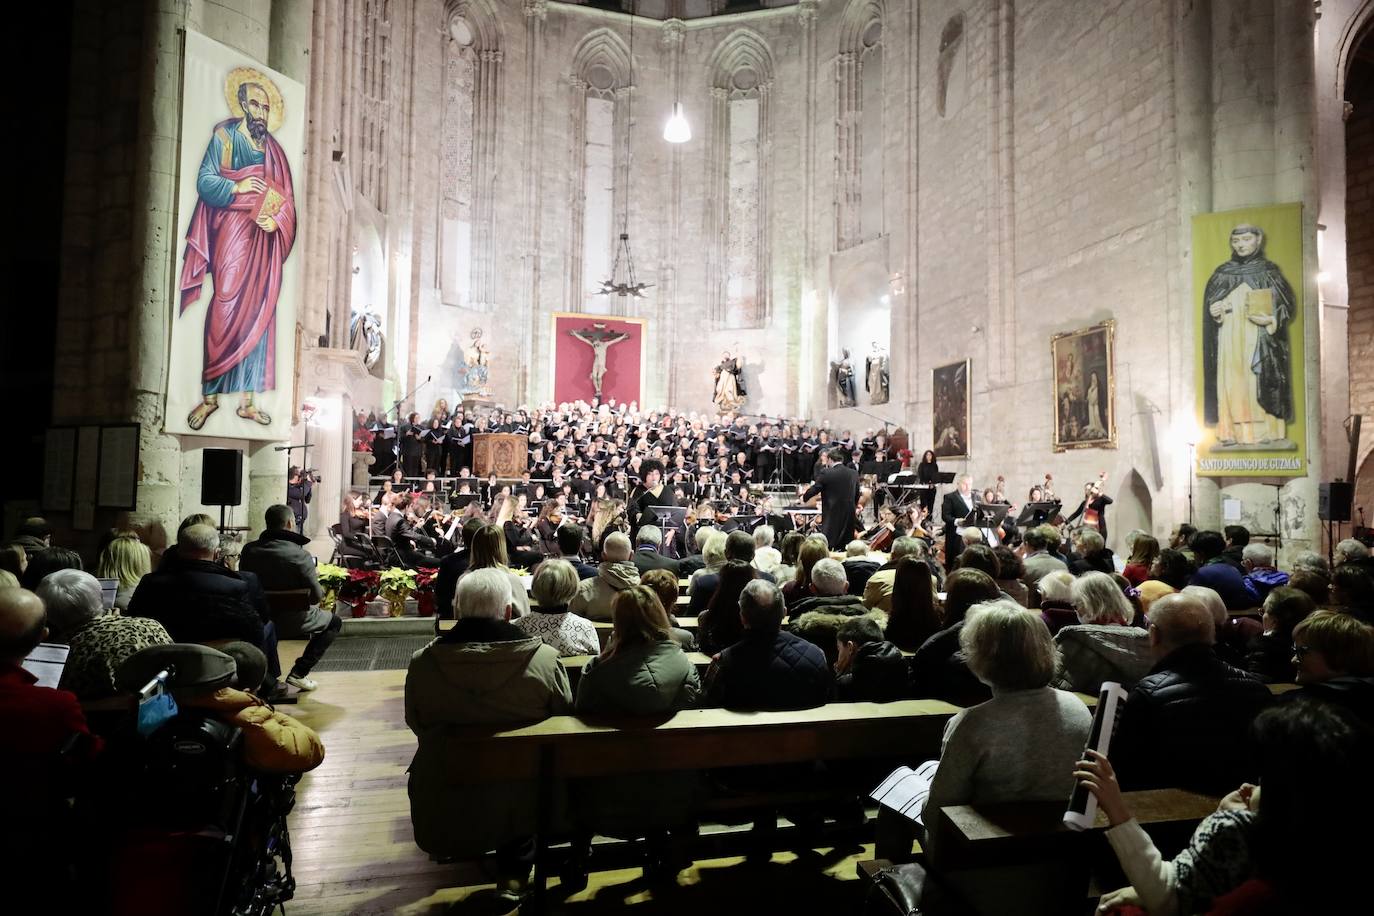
(555, 583)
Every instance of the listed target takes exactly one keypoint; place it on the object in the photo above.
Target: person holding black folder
(837, 484)
(411, 445)
(954, 508)
(927, 474)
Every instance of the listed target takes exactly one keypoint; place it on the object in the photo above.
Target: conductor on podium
(837, 484)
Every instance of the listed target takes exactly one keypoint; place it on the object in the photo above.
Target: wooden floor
(354, 851)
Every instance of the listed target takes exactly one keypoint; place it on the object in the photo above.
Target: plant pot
(396, 602)
(331, 597)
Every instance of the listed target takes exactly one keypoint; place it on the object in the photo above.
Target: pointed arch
(480, 17)
(606, 49)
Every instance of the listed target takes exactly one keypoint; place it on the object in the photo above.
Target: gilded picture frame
(1083, 378)
(949, 400)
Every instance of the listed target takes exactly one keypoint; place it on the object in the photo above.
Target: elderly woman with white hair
(99, 642)
(1102, 646)
(1056, 600)
(482, 671)
(1021, 744)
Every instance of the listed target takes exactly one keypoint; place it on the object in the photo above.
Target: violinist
(546, 528)
(353, 526)
(520, 541)
(415, 547)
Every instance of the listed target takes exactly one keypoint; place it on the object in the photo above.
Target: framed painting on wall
(1084, 387)
(949, 405)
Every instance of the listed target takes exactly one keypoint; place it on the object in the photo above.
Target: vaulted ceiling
(681, 9)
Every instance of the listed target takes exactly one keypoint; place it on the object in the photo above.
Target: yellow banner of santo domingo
(1247, 292)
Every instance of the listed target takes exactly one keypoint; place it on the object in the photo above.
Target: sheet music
(906, 790)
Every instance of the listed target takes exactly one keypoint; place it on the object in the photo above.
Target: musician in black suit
(411, 445)
(954, 508)
(837, 484)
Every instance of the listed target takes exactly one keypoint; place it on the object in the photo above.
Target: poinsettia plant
(424, 590)
(331, 576)
(359, 588)
(396, 580)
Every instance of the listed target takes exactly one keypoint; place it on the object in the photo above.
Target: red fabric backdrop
(572, 360)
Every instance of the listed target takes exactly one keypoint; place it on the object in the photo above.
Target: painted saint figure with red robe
(241, 233)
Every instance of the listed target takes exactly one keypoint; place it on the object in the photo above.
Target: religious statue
(1245, 360)
(842, 382)
(600, 339)
(241, 232)
(475, 372)
(729, 383)
(876, 375)
(365, 335)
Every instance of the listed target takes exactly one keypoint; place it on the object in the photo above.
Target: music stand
(985, 516)
(1036, 513)
(461, 500)
(672, 518)
(944, 477)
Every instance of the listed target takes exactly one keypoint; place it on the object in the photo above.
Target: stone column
(152, 231)
(663, 375)
(536, 12)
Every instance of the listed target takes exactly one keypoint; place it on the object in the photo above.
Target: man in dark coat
(648, 543)
(837, 485)
(1186, 723)
(954, 508)
(197, 599)
(768, 668)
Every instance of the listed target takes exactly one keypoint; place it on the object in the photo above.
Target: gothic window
(738, 213)
(472, 60)
(859, 127)
(375, 77)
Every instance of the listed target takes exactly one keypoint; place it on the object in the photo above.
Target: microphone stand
(406, 397)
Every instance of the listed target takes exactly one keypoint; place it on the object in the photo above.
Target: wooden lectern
(504, 454)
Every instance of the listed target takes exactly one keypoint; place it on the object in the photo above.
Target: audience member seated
(279, 559)
(665, 585)
(555, 584)
(768, 668)
(48, 752)
(570, 538)
(48, 560)
(1352, 551)
(786, 570)
(221, 683)
(1352, 591)
(99, 642)
(859, 565)
(1333, 654)
(195, 598)
(1056, 600)
(1169, 574)
(1091, 553)
(719, 625)
(689, 565)
(868, 668)
(1102, 646)
(915, 614)
(1284, 849)
(1215, 572)
(452, 567)
(819, 617)
(1021, 744)
(814, 549)
(488, 551)
(1260, 574)
(712, 555)
(482, 671)
(1143, 553)
(1314, 583)
(127, 560)
(766, 557)
(1269, 655)
(877, 591)
(739, 547)
(938, 669)
(642, 672)
(614, 574)
(648, 543)
(1185, 722)
(13, 560)
(980, 557)
(1037, 560)
(1009, 573)
(32, 535)
(1237, 537)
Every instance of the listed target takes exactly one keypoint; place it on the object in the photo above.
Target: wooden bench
(604, 629)
(562, 748)
(574, 664)
(970, 840)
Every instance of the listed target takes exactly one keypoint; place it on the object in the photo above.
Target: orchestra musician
(353, 526)
(1093, 508)
(926, 472)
